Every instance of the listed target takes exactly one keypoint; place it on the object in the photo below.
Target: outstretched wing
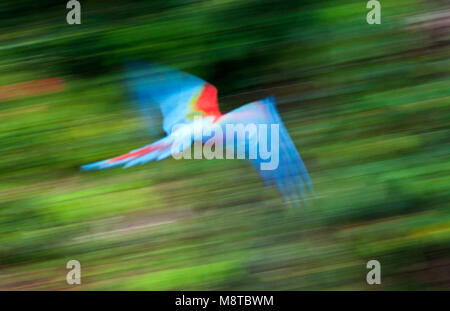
(180, 96)
(158, 150)
(290, 175)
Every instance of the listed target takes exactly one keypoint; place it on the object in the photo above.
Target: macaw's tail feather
(159, 150)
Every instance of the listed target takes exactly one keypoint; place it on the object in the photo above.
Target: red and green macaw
(185, 99)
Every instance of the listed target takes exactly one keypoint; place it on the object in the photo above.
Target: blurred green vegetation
(367, 106)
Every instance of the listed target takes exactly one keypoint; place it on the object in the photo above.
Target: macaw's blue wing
(179, 96)
(137, 90)
(285, 168)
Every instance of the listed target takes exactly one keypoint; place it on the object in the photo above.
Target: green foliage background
(367, 107)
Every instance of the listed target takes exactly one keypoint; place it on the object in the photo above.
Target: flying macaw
(185, 99)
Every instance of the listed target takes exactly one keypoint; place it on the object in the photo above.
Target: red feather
(207, 101)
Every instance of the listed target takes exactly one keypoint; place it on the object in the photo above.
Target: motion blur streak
(30, 88)
(367, 107)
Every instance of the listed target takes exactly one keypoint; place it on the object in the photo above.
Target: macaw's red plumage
(138, 153)
(207, 101)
